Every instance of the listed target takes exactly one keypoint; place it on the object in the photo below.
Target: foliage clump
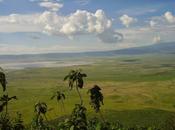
(18, 122)
(59, 96)
(78, 117)
(6, 122)
(96, 97)
(3, 80)
(40, 110)
(75, 78)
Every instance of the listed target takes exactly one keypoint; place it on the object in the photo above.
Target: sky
(46, 26)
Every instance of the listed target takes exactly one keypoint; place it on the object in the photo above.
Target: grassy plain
(137, 89)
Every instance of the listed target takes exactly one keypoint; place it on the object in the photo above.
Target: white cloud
(51, 5)
(164, 20)
(163, 27)
(169, 17)
(127, 20)
(83, 22)
(156, 39)
(152, 23)
(139, 36)
(19, 23)
(82, 2)
(139, 11)
(110, 36)
(80, 22)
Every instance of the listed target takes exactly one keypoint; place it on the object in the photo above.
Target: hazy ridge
(151, 49)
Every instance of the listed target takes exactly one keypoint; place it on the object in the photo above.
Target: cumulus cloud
(19, 23)
(141, 36)
(152, 23)
(164, 20)
(127, 20)
(156, 39)
(169, 17)
(80, 22)
(51, 5)
(110, 36)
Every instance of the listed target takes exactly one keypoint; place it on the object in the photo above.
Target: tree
(3, 81)
(41, 109)
(96, 99)
(38, 123)
(5, 119)
(60, 96)
(78, 118)
(75, 77)
(4, 102)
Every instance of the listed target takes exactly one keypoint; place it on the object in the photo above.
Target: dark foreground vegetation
(78, 120)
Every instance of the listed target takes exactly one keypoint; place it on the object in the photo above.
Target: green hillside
(137, 90)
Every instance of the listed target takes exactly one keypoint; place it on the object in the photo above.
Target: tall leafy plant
(96, 99)
(18, 122)
(40, 110)
(75, 78)
(5, 120)
(60, 97)
(78, 118)
(5, 100)
(3, 81)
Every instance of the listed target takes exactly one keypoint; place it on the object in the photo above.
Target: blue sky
(44, 26)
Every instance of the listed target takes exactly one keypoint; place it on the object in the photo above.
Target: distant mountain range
(166, 48)
(155, 48)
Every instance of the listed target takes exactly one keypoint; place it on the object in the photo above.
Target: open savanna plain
(137, 89)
